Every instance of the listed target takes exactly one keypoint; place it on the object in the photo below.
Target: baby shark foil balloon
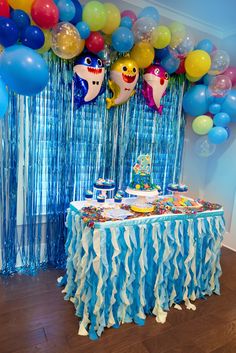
(154, 86)
(87, 79)
(123, 78)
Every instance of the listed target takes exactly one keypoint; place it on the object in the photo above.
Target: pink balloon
(155, 81)
(129, 14)
(231, 73)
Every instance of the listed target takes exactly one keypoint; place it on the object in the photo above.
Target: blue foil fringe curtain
(50, 154)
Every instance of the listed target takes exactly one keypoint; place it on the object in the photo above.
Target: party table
(120, 271)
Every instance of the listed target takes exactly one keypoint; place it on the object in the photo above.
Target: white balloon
(203, 148)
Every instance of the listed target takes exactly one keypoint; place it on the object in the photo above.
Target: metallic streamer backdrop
(50, 154)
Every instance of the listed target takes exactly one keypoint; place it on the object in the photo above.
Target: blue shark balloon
(87, 79)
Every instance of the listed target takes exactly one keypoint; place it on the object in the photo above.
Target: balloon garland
(29, 28)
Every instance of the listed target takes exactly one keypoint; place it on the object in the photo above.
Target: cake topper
(154, 86)
(124, 76)
(88, 78)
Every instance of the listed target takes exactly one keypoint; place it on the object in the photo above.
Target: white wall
(213, 178)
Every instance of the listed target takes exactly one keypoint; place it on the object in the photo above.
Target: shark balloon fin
(80, 89)
(115, 90)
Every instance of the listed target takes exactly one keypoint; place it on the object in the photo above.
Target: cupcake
(88, 195)
(120, 192)
(182, 188)
(101, 198)
(118, 198)
(173, 187)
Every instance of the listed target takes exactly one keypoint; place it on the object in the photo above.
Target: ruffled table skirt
(119, 272)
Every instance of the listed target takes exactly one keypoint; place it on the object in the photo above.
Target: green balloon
(94, 14)
(202, 124)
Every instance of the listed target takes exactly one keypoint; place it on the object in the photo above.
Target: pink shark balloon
(154, 86)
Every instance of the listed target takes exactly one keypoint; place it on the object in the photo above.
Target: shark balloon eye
(125, 68)
(88, 61)
(99, 62)
(134, 69)
(166, 76)
(157, 71)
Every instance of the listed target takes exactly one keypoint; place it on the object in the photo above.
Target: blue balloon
(9, 32)
(205, 45)
(126, 22)
(23, 70)
(66, 10)
(20, 18)
(83, 29)
(221, 119)
(150, 11)
(4, 99)
(170, 63)
(217, 135)
(196, 100)
(78, 12)
(162, 53)
(214, 108)
(229, 105)
(228, 131)
(33, 37)
(122, 39)
(207, 79)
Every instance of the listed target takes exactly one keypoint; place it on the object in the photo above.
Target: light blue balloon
(217, 135)
(221, 119)
(170, 63)
(205, 45)
(66, 10)
(214, 108)
(23, 70)
(152, 12)
(196, 100)
(83, 29)
(122, 39)
(126, 22)
(3, 99)
(229, 105)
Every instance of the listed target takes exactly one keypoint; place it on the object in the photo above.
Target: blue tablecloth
(121, 271)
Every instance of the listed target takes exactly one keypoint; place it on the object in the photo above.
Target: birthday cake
(106, 184)
(141, 175)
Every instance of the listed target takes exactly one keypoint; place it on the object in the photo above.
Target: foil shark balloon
(124, 76)
(154, 86)
(87, 79)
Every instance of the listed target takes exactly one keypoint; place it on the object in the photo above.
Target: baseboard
(229, 241)
(228, 247)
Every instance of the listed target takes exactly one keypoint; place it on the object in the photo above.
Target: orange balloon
(24, 5)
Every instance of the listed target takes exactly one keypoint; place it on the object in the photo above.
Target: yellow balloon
(160, 37)
(47, 41)
(66, 41)
(1, 49)
(202, 124)
(24, 5)
(113, 18)
(178, 33)
(197, 63)
(192, 79)
(143, 53)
